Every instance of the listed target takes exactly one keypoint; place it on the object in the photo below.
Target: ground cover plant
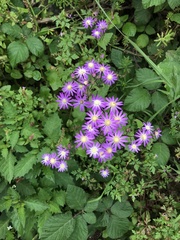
(90, 119)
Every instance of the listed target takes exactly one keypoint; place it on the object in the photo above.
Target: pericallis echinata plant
(104, 131)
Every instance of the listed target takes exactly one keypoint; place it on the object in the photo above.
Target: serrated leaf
(58, 227)
(21, 215)
(161, 152)
(24, 165)
(7, 167)
(175, 17)
(80, 231)
(148, 78)
(9, 109)
(17, 53)
(35, 45)
(129, 29)
(150, 3)
(59, 197)
(117, 227)
(16, 222)
(42, 218)
(36, 205)
(122, 209)
(159, 100)
(104, 40)
(76, 197)
(173, 3)
(25, 188)
(14, 138)
(91, 206)
(52, 127)
(3, 228)
(63, 179)
(167, 137)
(116, 57)
(12, 30)
(89, 217)
(137, 100)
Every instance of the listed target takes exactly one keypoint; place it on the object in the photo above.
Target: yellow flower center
(143, 137)
(94, 150)
(109, 77)
(109, 150)
(116, 139)
(102, 69)
(69, 87)
(64, 100)
(107, 122)
(53, 160)
(90, 65)
(94, 118)
(82, 71)
(97, 102)
(134, 146)
(83, 139)
(112, 104)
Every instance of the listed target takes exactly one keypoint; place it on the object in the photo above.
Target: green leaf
(76, 197)
(17, 53)
(63, 179)
(129, 29)
(14, 138)
(122, 209)
(7, 167)
(79, 115)
(25, 188)
(142, 40)
(59, 197)
(161, 152)
(159, 100)
(58, 227)
(150, 3)
(175, 17)
(35, 45)
(89, 217)
(80, 231)
(137, 100)
(16, 74)
(104, 204)
(36, 205)
(117, 227)
(12, 30)
(21, 215)
(91, 206)
(116, 57)
(167, 137)
(25, 165)
(3, 228)
(148, 78)
(173, 3)
(52, 127)
(42, 218)
(104, 40)
(36, 75)
(9, 110)
(16, 222)
(54, 78)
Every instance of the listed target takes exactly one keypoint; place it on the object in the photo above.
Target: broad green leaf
(116, 57)
(14, 138)
(80, 231)
(122, 209)
(150, 30)
(159, 100)
(148, 78)
(17, 53)
(12, 30)
(52, 127)
(63, 179)
(9, 110)
(175, 17)
(89, 217)
(36, 75)
(104, 204)
(142, 40)
(104, 40)
(24, 165)
(173, 3)
(58, 227)
(91, 206)
(161, 152)
(42, 218)
(53, 207)
(117, 227)
(150, 3)
(59, 197)
(54, 78)
(7, 167)
(36, 205)
(137, 100)
(35, 45)
(16, 222)
(79, 115)
(167, 137)
(25, 188)
(3, 228)
(16, 74)
(21, 215)
(76, 197)
(129, 29)
(141, 15)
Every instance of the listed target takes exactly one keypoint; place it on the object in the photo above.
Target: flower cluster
(57, 159)
(98, 27)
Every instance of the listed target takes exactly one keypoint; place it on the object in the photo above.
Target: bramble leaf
(7, 167)
(76, 197)
(161, 152)
(80, 231)
(35, 45)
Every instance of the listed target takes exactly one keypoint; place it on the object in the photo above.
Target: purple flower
(102, 156)
(62, 166)
(107, 123)
(102, 25)
(62, 152)
(80, 101)
(120, 118)
(116, 139)
(83, 140)
(109, 77)
(88, 22)
(93, 117)
(96, 103)
(143, 137)
(81, 73)
(109, 150)
(91, 66)
(134, 146)
(69, 88)
(157, 133)
(64, 101)
(101, 68)
(104, 172)
(113, 104)
(80, 88)
(96, 33)
(90, 129)
(93, 150)
(53, 160)
(148, 127)
(46, 158)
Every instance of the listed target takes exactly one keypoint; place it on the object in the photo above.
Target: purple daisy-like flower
(102, 25)
(62, 152)
(96, 103)
(80, 101)
(104, 173)
(64, 101)
(101, 68)
(90, 129)
(81, 89)
(69, 88)
(81, 73)
(134, 146)
(148, 127)
(113, 104)
(96, 33)
(109, 150)
(46, 158)
(93, 117)
(120, 118)
(116, 139)
(157, 133)
(62, 166)
(143, 137)
(83, 139)
(88, 22)
(109, 77)
(93, 149)
(53, 160)
(91, 66)
(107, 123)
